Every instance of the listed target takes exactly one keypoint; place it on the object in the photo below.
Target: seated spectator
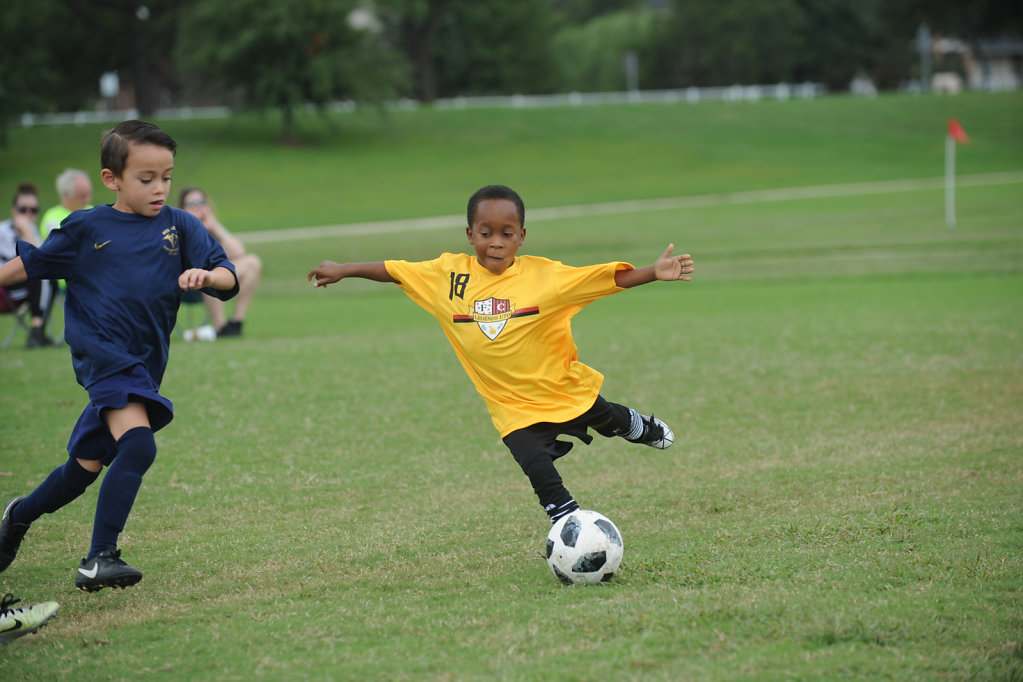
(248, 266)
(75, 191)
(39, 293)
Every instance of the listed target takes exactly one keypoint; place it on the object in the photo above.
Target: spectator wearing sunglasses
(39, 293)
(248, 266)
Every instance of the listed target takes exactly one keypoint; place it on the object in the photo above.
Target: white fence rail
(734, 93)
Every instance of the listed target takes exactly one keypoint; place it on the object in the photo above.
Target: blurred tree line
(268, 54)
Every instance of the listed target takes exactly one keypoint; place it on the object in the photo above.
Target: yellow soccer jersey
(512, 332)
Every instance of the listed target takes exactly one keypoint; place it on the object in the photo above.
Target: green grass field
(843, 376)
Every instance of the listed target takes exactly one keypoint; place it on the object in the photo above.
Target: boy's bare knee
(92, 465)
(249, 263)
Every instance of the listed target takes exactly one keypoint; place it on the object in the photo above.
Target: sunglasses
(27, 209)
(195, 202)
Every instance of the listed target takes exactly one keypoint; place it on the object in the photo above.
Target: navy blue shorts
(91, 438)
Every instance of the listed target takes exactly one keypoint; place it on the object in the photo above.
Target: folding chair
(9, 306)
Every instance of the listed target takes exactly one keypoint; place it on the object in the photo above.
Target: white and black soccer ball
(584, 547)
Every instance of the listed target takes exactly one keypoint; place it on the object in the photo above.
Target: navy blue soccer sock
(136, 451)
(64, 484)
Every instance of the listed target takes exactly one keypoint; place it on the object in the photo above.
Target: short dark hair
(117, 141)
(25, 189)
(495, 192)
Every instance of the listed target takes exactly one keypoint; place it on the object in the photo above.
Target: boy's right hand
(328, 273)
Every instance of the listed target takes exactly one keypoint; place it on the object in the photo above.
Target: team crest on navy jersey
(172, 244)
(492, 315)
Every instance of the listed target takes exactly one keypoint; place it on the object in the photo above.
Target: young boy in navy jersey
(126, 265)
(508, 319)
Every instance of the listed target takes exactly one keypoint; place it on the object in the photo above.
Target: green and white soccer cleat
(23, 620)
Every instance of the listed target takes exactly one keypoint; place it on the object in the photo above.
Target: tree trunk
(140, 75)
(420, 39)
(287, 123)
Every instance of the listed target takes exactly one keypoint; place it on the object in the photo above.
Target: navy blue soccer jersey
(122, 274)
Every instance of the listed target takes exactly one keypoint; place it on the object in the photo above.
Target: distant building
(995, 64)
(863, 85)
(946, 83)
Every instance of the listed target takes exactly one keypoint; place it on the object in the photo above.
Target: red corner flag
(956, 132)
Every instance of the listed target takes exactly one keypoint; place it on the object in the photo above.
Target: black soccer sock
(624, 421)
(64, 484)
(557, 512)
(548, 486)
(136, 451)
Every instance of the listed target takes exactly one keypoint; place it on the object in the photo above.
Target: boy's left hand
(195, 278)
(670, 268)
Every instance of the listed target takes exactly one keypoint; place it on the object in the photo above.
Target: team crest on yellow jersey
(173, 245)
(492, 315)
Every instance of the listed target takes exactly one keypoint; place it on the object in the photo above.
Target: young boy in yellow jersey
(508, 318)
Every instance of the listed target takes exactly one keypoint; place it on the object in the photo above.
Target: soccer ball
(584, 547)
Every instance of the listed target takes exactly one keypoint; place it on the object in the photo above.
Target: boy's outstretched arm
(330, 272)
(12, 272)
(196, 278)
(667, 267)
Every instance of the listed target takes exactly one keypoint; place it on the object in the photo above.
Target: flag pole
(950, 181)
(953, 134)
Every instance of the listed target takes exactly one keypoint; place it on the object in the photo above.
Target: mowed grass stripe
(642, 205)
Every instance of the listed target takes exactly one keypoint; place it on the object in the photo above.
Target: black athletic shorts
(542, 437)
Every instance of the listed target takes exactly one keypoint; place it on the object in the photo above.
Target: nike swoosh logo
(17, 626)
(90, 574)
(10, 505)
(97, 247)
